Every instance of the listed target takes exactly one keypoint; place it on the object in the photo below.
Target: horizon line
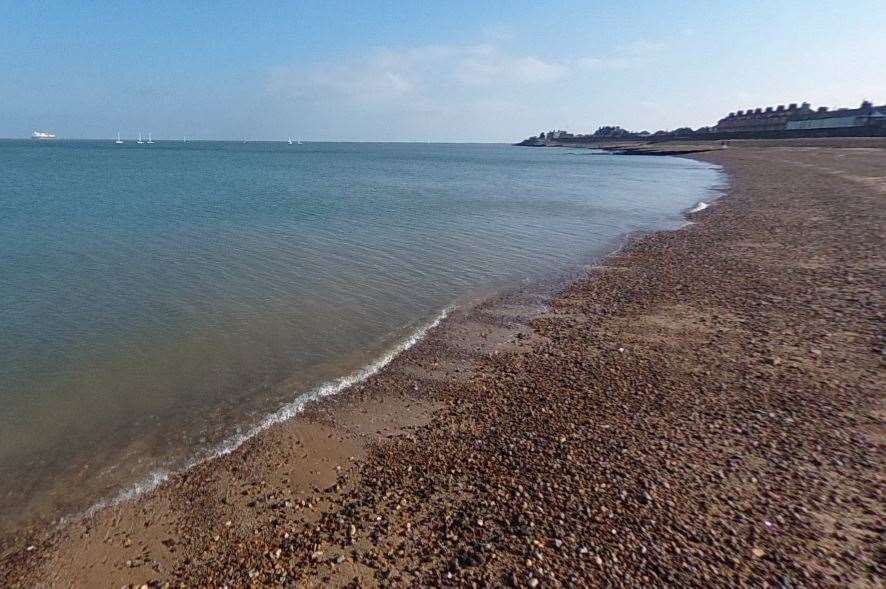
(303, 141)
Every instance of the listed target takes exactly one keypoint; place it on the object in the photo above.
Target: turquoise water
(154, 299)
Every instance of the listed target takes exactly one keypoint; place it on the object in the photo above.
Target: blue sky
(441, 71)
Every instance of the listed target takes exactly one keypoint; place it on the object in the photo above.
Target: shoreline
(435, 391)
(290, 410)
(319, 398)
(545, 285)
(147, 392)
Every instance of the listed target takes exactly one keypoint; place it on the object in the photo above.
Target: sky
(424, 70)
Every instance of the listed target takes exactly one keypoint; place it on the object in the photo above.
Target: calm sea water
(156, 299)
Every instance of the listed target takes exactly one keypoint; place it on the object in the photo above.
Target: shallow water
(156, 299)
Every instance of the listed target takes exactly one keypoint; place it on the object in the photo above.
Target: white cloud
(499, 33)
(389, 74)
(450, 86)
(395, 73)
(629, 56)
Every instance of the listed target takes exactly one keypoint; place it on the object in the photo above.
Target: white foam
(291, 409)
(699, 207)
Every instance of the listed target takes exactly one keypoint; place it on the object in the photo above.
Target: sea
(161, 303)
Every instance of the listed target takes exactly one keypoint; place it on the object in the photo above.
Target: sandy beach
(703, 408)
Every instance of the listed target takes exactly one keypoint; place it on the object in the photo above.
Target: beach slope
(705, 408)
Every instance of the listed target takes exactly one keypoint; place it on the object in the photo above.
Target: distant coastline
(780, 122)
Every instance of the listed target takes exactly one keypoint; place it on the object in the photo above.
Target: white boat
(149, 138)
(42, 135)
(119, 141)
(299, 141)
(139, 138)
(185, 139)
(290, 141)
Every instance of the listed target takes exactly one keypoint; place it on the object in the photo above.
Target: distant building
(866, 114)
(760, 119)
(800, 117)
(558, 134)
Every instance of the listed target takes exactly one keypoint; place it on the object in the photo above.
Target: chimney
(792, 106)
(822, 109)
(780, 108)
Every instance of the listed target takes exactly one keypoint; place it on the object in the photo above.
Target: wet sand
(705, 408)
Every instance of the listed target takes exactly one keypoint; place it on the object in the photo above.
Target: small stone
(533, 582)
(758, 552)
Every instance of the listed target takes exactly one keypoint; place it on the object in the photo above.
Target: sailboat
(119, 141)
(149, 138)
(185, 139)
(139, 138)
(290, 140)
(299, 141)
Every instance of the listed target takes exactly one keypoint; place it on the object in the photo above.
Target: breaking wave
(291, 409)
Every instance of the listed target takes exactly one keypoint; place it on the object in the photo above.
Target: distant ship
(139, 140)
(119, 141)
(290, 141)
(42, 135)
(149, 138)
